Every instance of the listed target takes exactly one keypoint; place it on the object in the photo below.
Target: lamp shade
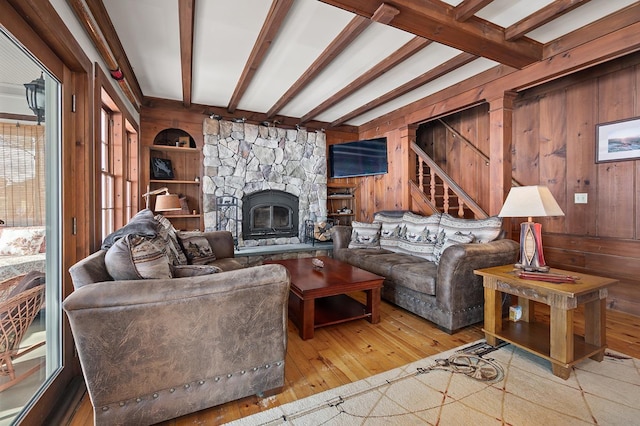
(167, 202)
(530, 201)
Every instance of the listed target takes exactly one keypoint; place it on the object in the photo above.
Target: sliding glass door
(30, 236)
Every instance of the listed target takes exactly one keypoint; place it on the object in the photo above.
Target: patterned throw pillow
(390, 230)
(419, 234)
(196, 247)
(168, 233)
(485, 230)
(21, 241)
(445, 241)
(135, 257)
(365, 235)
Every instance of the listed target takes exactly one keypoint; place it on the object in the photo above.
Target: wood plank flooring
(352, 351)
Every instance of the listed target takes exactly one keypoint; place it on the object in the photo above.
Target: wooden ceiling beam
(468, 8)
(541, 17)
(432, 74)
(435, 21)
(357, 25)
(409, 49)
(270, 28)
(186, 9)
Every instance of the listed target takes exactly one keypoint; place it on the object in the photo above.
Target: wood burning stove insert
(269, 214)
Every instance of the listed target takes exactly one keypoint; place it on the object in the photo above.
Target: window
(107, 172)
(30, 193)
(118, 165)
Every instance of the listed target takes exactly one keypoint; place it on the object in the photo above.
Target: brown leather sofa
(156, 349)
(446, 292)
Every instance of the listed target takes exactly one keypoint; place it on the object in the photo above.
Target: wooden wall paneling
(526, 155)
(615, 200)
(501, 111)
(482, 143)
(553, 150)
(453, 162)
(616, 196)
(439, 144)
(471, 162)
(581, 170)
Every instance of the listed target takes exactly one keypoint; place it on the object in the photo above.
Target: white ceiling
(225, 32)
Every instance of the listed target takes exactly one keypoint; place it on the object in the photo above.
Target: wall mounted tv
(359, 158)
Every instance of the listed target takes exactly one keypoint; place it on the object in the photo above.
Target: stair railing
(450, 189)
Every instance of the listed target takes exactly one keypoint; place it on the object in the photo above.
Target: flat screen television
(358, 158)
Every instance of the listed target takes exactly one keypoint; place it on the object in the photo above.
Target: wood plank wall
(381, 192)
(554, 139)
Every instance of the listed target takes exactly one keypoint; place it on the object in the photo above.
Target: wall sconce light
(35, 97)
(164, 202)
(529, 201)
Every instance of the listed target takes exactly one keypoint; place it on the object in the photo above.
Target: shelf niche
(180, 149)
(175, 138)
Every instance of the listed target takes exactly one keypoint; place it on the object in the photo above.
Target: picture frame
(161, 168)
(618, 140)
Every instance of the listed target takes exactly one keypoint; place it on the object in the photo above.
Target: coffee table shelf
(330, 310)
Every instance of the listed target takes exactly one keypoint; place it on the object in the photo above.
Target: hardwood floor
(352, 351)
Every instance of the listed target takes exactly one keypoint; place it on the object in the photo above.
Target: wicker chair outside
(16, 315)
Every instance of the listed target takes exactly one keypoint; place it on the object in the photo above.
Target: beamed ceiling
(328, 63)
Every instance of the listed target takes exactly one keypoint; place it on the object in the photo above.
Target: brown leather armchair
(157, 349)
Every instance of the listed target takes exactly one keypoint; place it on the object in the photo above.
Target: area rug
(478, 385)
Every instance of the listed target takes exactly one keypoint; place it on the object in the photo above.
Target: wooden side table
(557, 342)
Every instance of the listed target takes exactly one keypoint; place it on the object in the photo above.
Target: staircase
(434, 191)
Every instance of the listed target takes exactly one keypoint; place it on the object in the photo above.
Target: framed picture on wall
(618, 140)
(161, 168)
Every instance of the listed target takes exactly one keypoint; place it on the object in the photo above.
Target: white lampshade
(530, 201)
(167, 202)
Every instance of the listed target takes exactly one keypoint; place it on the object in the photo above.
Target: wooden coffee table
(319, 296)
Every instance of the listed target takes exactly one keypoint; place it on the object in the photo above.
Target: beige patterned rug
(476, 385)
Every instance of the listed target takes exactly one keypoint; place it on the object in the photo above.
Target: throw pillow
(419, 234)
(169, 234)
(447, 240)
(196, 248)
(184, 271)
(485, 230)
(391, 228)
(21, 241)
(365, 235)
(133, 257)
(142, 224)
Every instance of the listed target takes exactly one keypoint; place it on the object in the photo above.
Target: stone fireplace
(242, 159)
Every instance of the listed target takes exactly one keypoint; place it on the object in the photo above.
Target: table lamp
(164, 202)
(530, 201)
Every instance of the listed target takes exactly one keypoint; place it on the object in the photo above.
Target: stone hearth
(242, 158)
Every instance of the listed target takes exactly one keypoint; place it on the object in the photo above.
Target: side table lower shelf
(536, 337)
